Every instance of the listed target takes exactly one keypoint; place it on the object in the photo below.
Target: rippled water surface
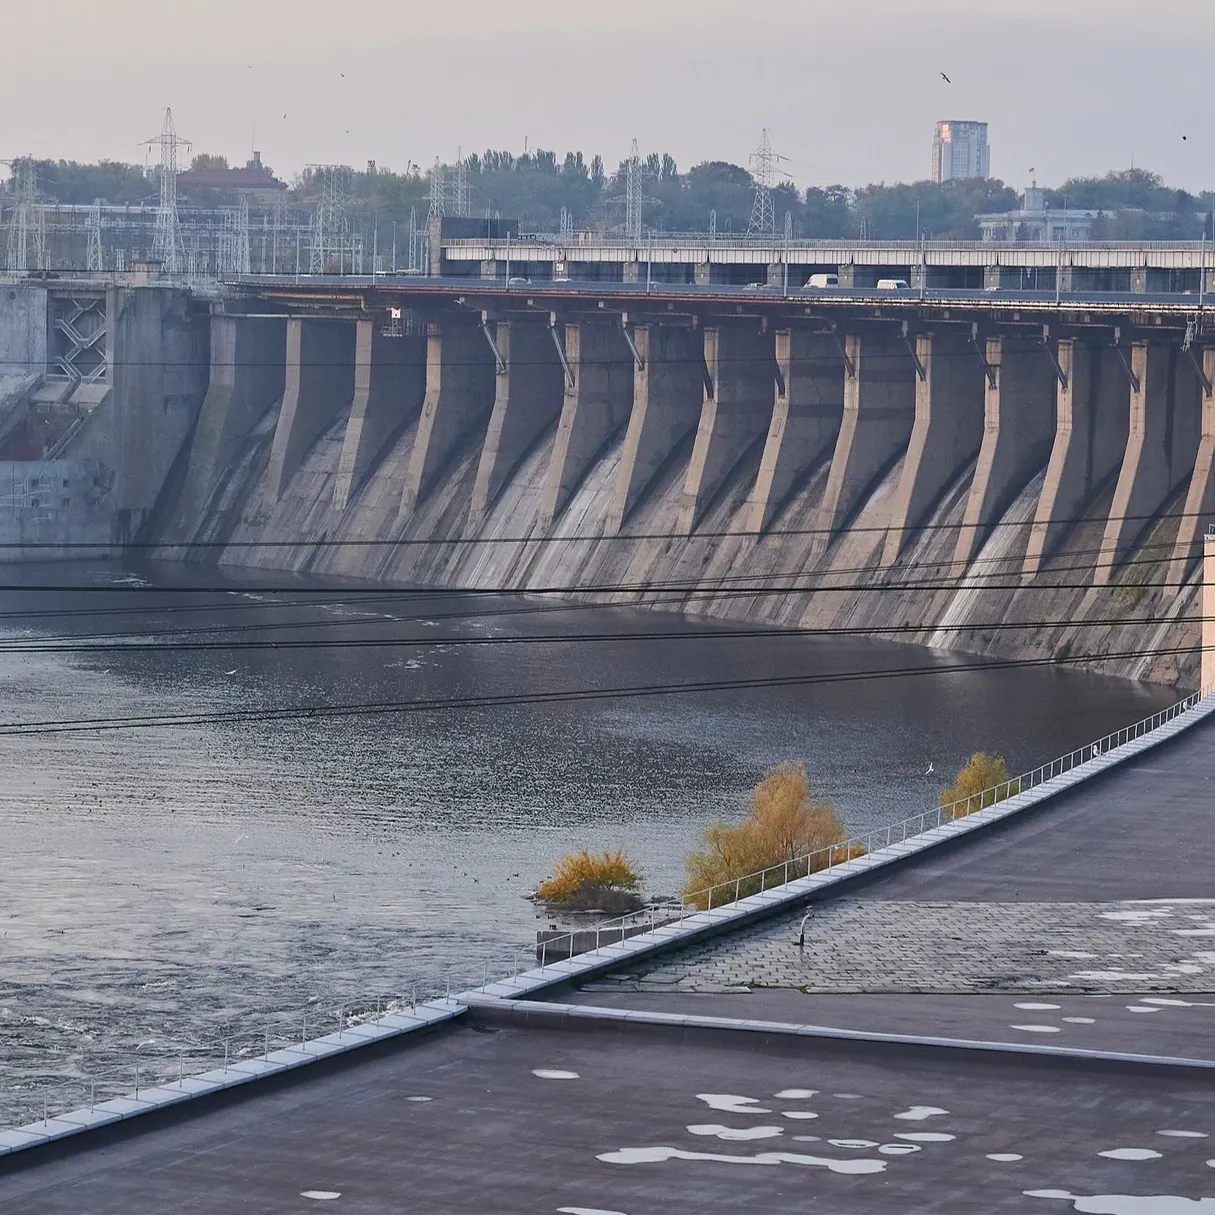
(166, 888)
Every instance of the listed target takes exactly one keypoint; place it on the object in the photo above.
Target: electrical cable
(460, 703)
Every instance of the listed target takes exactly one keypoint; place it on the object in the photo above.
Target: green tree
(208, 160)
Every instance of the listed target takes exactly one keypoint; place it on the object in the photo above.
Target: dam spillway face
(959, 477)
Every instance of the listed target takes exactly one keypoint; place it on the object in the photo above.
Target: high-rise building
(959, 149)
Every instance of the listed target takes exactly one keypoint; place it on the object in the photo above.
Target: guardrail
(243, 1039)
(563, 945)
(695, 240)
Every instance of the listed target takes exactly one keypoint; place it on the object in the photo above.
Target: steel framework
(763, 218)
(27, 229)
(168, 245)
(632, 196)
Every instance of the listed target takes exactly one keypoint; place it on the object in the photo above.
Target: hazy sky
(849, 90)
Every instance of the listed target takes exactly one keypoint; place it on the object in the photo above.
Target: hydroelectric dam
(1007, 455)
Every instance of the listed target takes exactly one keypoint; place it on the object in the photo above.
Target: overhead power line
(462, 703)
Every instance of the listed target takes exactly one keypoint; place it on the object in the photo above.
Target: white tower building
(960, 149)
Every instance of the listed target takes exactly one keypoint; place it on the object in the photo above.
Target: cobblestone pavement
(877, 945)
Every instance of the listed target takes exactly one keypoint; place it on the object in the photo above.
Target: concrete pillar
(805, 420)
(1090, 439)
(1160, 448)
(1018, 429)
(946, 437)
(703, 274)
(528, 400)
(879, 410)
(734, 414)
(593, 410)
(1199, 507)
(434, 246)
(459, 397)
(319, 383)
(667, 393)
(248, 371)
(992, 278)
(632, 272)
(1208, 613)
(1139, 279)
(389, 384)
(776, 274)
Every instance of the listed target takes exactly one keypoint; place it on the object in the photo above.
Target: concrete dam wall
(101, 383)
(930, 488)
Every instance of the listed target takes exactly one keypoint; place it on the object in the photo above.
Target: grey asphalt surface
(495, 1137)
(1146, 830)
(1179, 1026)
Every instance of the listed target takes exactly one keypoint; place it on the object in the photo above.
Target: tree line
(537, 187)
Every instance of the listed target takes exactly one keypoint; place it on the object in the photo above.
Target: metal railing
(819, 860)
(695, 240)
(258, 1035)
(241, 1039)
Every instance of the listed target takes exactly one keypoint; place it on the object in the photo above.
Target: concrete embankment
(671, 500)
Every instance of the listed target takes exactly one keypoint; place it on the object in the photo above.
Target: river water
(166, 888)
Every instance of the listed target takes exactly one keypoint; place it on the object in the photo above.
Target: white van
(823, 280)
(893, 284)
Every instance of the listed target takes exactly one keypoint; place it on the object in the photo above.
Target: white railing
(720, 894)
(241, 1039)
(257, 1035)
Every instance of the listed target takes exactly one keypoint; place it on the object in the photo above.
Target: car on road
(821, 282)
(518, 282)
(893, 284)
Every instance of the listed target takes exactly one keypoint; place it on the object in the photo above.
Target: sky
(849, 91)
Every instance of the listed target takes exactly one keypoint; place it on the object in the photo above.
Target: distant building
(254, 182)
(959, 150)
(1035, 221)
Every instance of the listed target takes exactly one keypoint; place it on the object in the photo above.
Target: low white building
(1035, 221)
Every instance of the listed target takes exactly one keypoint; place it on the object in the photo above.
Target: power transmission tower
(233, 250)
(243, 260)
(167, 244)
(632, 197)
(95, 258)
(763, 218)
(27, 229)
(330, 221)
(438, 194)
(461, 195)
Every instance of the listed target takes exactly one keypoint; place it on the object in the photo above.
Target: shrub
(583, 874)
(785, 823)
(974, 788)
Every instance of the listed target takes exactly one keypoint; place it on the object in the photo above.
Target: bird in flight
(946, 78)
